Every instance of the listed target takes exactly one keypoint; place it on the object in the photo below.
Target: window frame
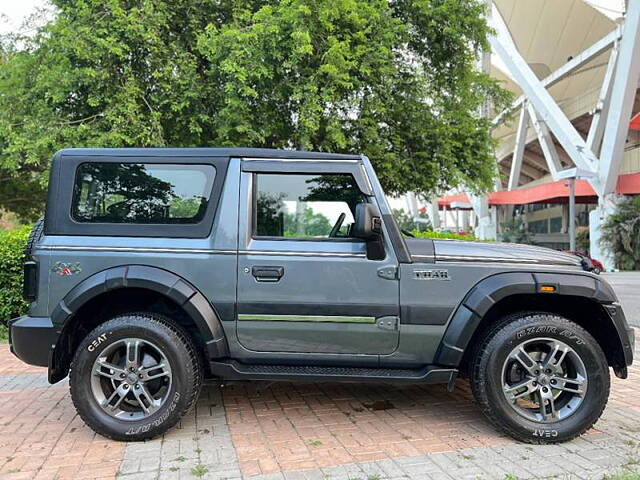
(59, 215)
(254, 210)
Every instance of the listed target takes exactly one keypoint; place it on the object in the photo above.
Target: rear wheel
(135, 376)
(540, 378)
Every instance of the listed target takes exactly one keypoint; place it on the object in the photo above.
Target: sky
(17, 11)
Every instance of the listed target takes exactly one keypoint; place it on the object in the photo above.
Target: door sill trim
(234, 370)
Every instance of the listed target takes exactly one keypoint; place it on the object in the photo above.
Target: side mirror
(368, 226)
(368, 222)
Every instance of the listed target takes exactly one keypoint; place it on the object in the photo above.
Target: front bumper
(31, 339)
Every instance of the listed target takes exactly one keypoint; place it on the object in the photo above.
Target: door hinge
(387, 323)
(388, 273)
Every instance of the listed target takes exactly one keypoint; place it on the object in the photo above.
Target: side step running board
(232, 370)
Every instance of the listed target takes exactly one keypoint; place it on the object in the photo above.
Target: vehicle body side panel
(427, 307)
(433, 303)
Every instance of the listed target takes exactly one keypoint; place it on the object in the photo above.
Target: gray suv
(156, 269)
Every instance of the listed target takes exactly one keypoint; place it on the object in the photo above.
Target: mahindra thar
(156, 269)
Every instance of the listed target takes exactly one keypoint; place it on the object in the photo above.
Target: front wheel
(540, 378)
(135, 376)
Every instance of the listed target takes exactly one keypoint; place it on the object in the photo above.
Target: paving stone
(294, 475)
(269, 476)
(129, 466)
(390, 468)
(135, 476)
(314, 475)
(169, 475)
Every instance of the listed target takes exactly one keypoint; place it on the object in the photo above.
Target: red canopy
(554, 192)
(635, 122)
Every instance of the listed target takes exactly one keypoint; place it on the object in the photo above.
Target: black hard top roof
(205, 152)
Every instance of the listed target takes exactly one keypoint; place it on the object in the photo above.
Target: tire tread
(478, 379)
(196, 363)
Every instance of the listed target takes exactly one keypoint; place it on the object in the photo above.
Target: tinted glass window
(539, 226)
(555, 225)
(141, 193)
(305, 206)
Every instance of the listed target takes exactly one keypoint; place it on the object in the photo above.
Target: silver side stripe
(197, 251)
(135, 249)
(307, 160)
(302, 254)
(519, 261)
(305, 318)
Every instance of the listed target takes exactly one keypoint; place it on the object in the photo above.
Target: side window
(141, 193)
(305, 205)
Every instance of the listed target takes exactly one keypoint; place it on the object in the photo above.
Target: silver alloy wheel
(131, 379)
(544, 380)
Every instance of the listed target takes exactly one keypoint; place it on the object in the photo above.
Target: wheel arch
(137, 287)
(581, 298)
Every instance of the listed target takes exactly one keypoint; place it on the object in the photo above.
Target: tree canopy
(395, 80)
(621, 234)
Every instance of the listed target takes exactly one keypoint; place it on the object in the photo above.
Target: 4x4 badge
(66, 269)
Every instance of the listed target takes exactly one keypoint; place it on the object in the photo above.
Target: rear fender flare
(155, 279)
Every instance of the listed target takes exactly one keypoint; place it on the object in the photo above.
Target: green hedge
(12, 243)
(449, 236)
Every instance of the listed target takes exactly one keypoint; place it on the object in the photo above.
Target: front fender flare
(489, 291)
(155, 279)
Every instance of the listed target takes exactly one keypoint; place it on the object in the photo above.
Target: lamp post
(571, 183)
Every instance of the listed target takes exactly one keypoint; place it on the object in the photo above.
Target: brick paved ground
(294, 426)
(304, 432)
(41, 437)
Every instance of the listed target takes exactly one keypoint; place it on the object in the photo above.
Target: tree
(514, 231)
(122, 191)
(314, 224)
(621, 235)
(583, 240)
(408, 223)
(395, 80)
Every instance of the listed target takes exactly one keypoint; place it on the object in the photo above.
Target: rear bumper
(31, 339)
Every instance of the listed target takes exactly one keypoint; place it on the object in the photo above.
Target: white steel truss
(518, 152)
(620, 102)
(599, 157)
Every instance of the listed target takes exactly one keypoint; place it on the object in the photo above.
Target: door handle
(267, 274)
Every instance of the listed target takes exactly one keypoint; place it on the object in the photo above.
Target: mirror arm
(375, 248)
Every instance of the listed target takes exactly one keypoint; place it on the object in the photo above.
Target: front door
(304, 284)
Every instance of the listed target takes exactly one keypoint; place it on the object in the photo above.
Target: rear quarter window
(141, 193)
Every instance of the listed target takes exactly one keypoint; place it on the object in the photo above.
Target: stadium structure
(571, 148)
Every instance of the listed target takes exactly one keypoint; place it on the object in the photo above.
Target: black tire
(596, 270)
(178, 350)
(34, 237)
(488, 374)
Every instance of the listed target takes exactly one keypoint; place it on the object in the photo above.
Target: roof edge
(207, 152)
